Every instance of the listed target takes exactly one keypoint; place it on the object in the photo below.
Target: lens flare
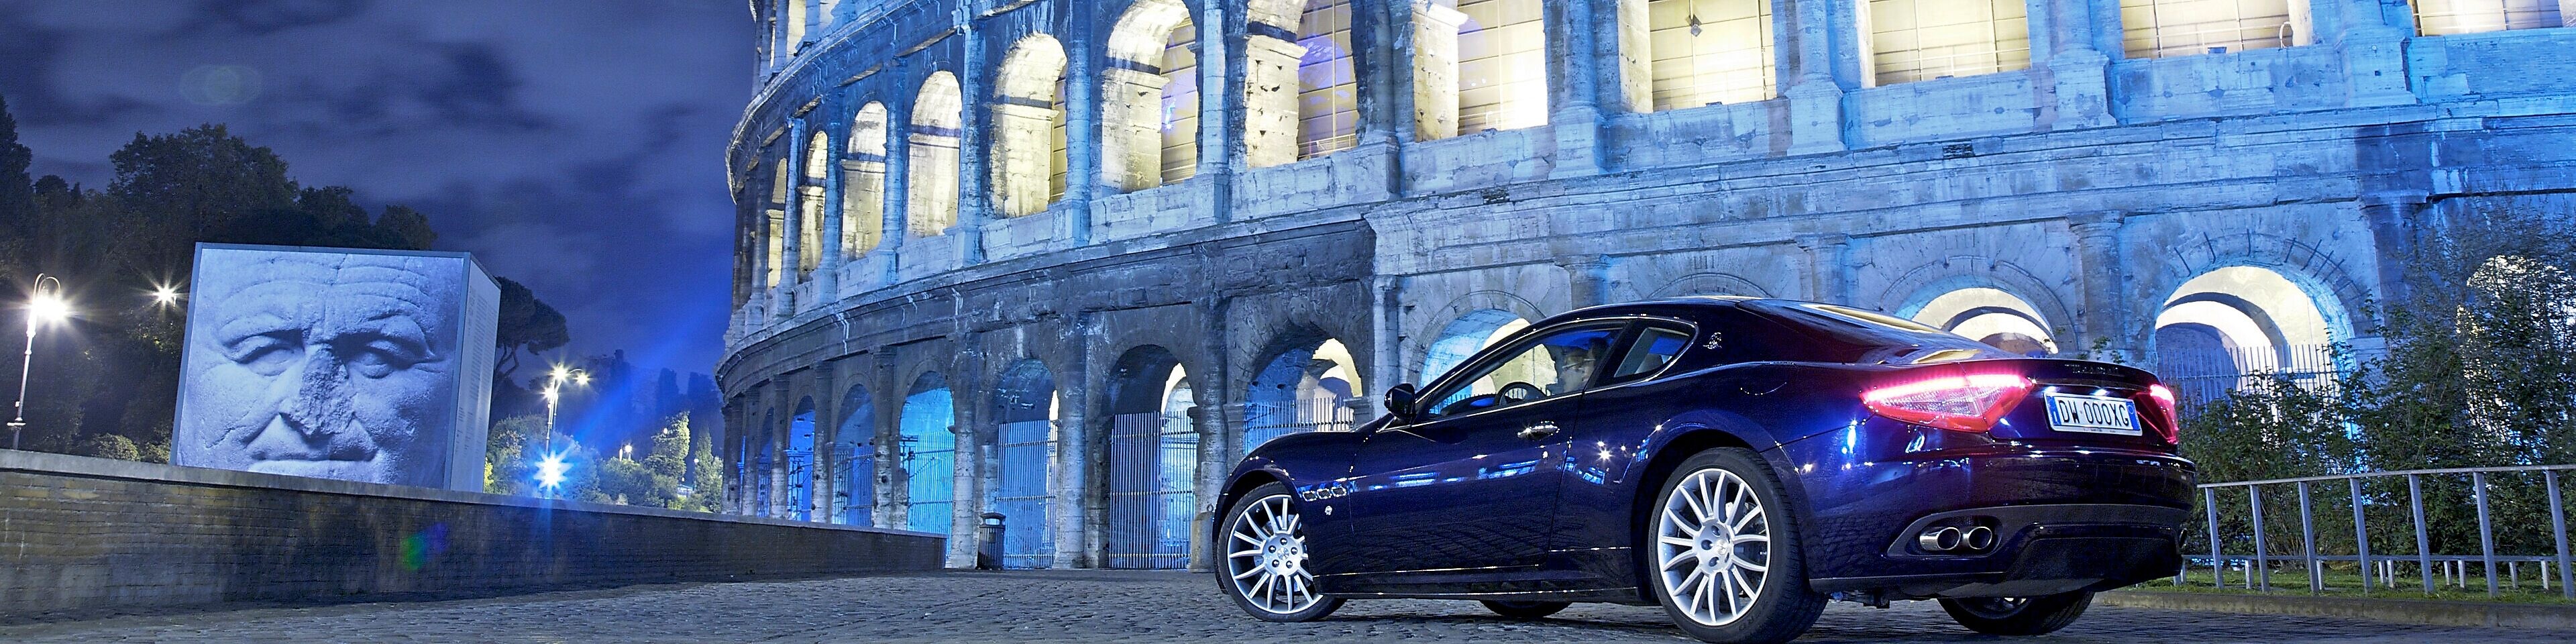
(551, 470)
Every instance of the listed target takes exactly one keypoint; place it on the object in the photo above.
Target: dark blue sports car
(1737, 461)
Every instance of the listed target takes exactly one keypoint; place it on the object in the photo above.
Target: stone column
(1828, 268)
(1081, 131)
(2394, 217)
(775, 434)
(1072, 484)
(1815, 95)
(1574, 85)
(892, 481)
(974, 141)
(1270, 135)
(827, 408)
(967, 391)
(2078, 72)
(1589, 278)
(1221, 142)
(1217, 420)
(1434, 46)
(2105, 329)
(2374, 51)
(895, 201)
(1387, 366)
(790, 259)
(1622, 55)
(827, 275)
(1379, 74)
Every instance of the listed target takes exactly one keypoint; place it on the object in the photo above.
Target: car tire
(1748, 541)
(1524, 610)
(2018, 615)
(1261, 544)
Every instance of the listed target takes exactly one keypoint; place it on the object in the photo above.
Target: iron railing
(2383, 569)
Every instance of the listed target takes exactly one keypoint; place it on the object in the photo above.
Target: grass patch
(2293, 581)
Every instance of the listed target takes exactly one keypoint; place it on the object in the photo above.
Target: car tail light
(2168, 422)
(1966, 403)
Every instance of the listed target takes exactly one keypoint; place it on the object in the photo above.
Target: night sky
(576, 146)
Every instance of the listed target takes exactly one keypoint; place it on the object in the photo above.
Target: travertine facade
(940, 199)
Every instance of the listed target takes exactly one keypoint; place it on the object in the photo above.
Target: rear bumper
(2041, 550)
(2063, 518)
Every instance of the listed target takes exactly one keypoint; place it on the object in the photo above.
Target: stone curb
(2406, 611)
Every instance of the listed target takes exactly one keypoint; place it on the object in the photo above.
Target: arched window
(2162, 28)
(1302, 388)
(1027, 158)
(1992, 316)
(809, 203)
(931, 199)
(792, 26)
(863, 182)
(928, 455)
(1502, 65)
(774, 220)
(1150, 97)
(1915, 40)
(1708, 52)
(2446, 17)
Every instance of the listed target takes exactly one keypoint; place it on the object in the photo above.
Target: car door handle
(1539, 430)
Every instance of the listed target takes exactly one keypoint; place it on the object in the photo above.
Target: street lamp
(46, 307)
(555, 381)
(165, 296)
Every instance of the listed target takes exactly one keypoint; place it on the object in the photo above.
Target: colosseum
(1062, 261)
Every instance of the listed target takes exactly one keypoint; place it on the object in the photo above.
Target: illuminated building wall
(1271, 210)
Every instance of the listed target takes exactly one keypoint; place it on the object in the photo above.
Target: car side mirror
(1400, 400)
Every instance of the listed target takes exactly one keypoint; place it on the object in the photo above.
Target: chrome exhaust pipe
(1940, 539)
(1978, 538)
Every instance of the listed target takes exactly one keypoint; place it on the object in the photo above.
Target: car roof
(1663, 305)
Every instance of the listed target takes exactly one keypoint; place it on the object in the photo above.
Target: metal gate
(929, 461)
(1028, 538)
(1153, 469)
(1265, 421)
(854, 485)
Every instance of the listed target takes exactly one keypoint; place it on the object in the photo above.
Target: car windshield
(1871, 336)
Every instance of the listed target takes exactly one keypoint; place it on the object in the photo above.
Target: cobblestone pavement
(1099, 606)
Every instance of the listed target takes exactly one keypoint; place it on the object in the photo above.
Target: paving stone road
(1100, 606)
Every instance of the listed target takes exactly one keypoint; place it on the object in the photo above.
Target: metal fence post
(2217, 559)
(2308, 541)
(2558, 525)
(2262, 550)
(2423, 544)
(2360, 536)
(2486, 532)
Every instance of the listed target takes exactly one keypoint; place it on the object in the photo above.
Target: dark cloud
(260, 17)
(572, 145)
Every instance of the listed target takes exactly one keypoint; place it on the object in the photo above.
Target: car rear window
(1846, 334)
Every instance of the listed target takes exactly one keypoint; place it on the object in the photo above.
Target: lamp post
(46, 306)
(555, 381)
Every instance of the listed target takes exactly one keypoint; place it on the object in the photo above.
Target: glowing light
(165, 295)
(550, 471)
(581, 378)
(560, 372)
(49, 308)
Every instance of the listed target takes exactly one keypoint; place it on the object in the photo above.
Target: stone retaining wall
(95, 534)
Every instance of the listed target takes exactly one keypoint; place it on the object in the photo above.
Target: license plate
(2091, 415)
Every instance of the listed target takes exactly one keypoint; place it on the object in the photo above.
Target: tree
(527, 324)
(405, 229)
(17, 195)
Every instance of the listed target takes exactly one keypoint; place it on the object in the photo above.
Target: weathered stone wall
(96, 534)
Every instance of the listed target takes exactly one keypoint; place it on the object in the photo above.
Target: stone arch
(931, 189)
(1028, 160)
(1465, 336)
(809, 202)
(927, 454)
(1991, 315)
(774, 222)
(1024, 405)
(1305, 380)
(2232, 321)
(1154, 448)
(1707, 52)
(854, 472)
(1712, 284)
(1911, 290)
(2339, 295)
(1150, 97)
(863, 181)
(1443, 323)
(797, 459)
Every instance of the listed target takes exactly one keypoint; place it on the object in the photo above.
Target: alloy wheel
(1713, 547)
(1267, 557)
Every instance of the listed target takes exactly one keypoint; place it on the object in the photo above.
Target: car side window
(1555, 364)
(1655, 347)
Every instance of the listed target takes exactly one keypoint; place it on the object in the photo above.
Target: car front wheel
(1723, 555)
(1265, 559)
(2018, 615)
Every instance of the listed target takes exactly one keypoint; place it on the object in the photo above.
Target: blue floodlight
(550, 471)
